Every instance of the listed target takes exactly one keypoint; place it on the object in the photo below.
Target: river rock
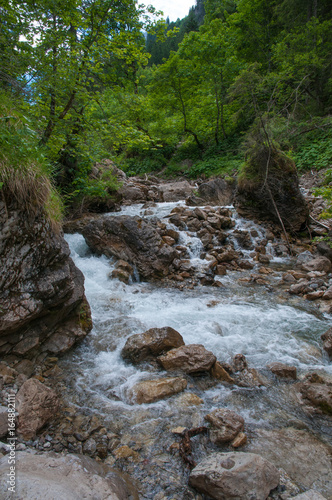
(318, 394)
(327, 342)
(226, 425)
(53, 476)
(318, 264)
(175, 191)
(324, 249)
(36, 405)
(132, 239)
(234, 476)
(282, 370)
(151, 343)
(122, 271)
(306, 459)
(193, 358)
(149, 391)
(43, 306)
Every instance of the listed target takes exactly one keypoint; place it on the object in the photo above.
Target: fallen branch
(185, 445)
(319, 223)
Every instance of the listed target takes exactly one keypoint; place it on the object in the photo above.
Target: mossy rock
(269, 179)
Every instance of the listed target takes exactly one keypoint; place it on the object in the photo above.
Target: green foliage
(25, 174)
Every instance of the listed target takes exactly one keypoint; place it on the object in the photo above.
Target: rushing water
(234, 318)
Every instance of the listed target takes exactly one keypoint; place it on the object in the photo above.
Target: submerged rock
(54, 476)
(193, 358)
(282, 370)
(151, 343)
(235, 476)
(306, 459)
(149, 391)
(226, 425)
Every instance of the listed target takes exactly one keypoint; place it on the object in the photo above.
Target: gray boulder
(235, 476)
(132, 239)
(53, 476)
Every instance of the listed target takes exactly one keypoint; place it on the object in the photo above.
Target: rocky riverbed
(212, 335)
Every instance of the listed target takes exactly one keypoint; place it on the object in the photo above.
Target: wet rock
(123, 271)
(134, 240)
(318, 394)
(36, 405)
(149, 391)
(327, 294)
(318, 264)
(54, 476)
(191, 359)
(299, 288)
(41, 289)
(151, 343)
(282, 370)
(227, 255)
(226, 425)
(327, 342)
(296, 451)
(245, 376)
(234, 476)
(240, 440)
(124, 452)
(90, 447)
(218, 371)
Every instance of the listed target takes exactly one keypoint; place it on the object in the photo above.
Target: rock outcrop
(132, 239)
(54, 476)
(42, 303)
(235, 476)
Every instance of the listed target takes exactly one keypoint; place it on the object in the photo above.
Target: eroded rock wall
(43, 308)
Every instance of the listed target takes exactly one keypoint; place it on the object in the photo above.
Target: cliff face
(43, 309)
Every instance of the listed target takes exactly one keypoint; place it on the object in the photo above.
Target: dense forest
(82, 80)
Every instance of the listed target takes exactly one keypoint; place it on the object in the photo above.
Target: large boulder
(132, 239)
(42, 303)
(52, 476)
(151, 343)
(36, 405)
(175, 191)
(149, 391)
(235, 476)
(193, 359)
(268, 187)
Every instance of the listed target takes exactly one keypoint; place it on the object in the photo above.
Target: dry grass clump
(30, 189)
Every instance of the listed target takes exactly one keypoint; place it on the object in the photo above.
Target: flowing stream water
(230, 319)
